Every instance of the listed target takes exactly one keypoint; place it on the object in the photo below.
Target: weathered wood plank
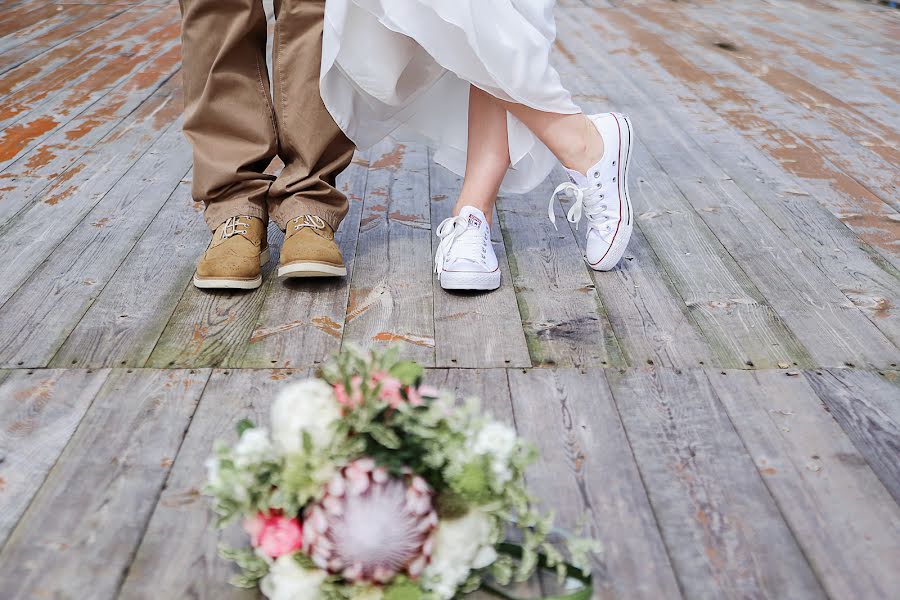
(124, 323)
(60, 156)
(391, 299)
(37, 112)
(587, 468)
(178, 556)
(40, 315)
(494, 315)
(79, 534)
(856, 146)
(723, 531)
(843, 518)
(821, 62)
(39, 411)
(810, 176)
(27, 238)
(831, 328)
(649, 316)
(564, 321)
(865, 277)
(210, 327)
(301, 320)
(866, 406)
(67, 22)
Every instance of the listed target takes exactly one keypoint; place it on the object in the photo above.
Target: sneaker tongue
(578, 179)
(474, 217)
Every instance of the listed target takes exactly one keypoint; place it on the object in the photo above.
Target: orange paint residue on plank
(17, 137)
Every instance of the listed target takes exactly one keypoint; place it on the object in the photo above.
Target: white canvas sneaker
(602, 195)
(465, 258)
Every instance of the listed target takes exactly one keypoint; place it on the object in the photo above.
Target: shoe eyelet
(613, 163)
(601, 197)
(597, 175)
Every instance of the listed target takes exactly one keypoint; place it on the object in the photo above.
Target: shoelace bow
(231, 227)
(593, 208)
(311, 221)
(451, 231)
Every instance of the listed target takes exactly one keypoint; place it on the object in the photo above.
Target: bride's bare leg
(487, 155)
(572, 138)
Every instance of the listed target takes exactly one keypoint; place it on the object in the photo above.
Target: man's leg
(229, 121)
(304, 200)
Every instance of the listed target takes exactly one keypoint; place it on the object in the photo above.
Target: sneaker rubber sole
(227, 283)
(620, 243)
(462, 280)
(311, 269)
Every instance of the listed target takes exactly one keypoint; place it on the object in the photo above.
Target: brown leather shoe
(310, 250)
(237, 251)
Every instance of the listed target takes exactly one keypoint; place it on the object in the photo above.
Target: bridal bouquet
(373, 486)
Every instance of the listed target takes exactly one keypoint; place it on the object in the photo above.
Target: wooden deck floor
(725, 406)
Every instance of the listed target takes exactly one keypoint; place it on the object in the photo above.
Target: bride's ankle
(586, 149)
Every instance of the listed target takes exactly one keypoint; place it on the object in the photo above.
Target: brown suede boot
(237, 251)
(310, 250)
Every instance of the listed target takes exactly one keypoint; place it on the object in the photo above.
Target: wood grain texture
(843, 518)
(211, 328)
(39, 316)
(178, 557)
(78, 172)
(723, 531)
(839, 135)
(79, 534)
(391, 298)
(118, 124)
(39, 411)
(565, 323)
(586, 468)
(494, 315)
(802, 295)
(301, 321)
(867, 407)
(123, 325)
(43, 106)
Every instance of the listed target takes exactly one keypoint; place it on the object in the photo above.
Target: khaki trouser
(236, 129)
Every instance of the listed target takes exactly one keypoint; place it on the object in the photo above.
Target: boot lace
(234, 226)
(311, 221)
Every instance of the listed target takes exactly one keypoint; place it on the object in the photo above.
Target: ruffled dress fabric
(402, 68)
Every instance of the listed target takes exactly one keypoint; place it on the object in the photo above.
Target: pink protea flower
(370, 526)
(274, 534)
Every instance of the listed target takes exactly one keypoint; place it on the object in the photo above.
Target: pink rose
(274, 534)
(390, 388)
(354, 398)
(415, 397)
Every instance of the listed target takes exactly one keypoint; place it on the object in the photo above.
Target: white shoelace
(311, 221)
(231, 228)
(586, 204)
(452, 231)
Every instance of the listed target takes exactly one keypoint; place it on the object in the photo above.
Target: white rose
(287, 580)
(460, 545)
(308, 406)
(254, 447)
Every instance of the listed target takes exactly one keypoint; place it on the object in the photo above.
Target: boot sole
(311, 269)
(226, 283)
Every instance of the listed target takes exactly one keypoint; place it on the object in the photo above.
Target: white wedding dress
(403, 68)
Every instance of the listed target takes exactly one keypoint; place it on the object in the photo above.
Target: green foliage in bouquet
(372, 409)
